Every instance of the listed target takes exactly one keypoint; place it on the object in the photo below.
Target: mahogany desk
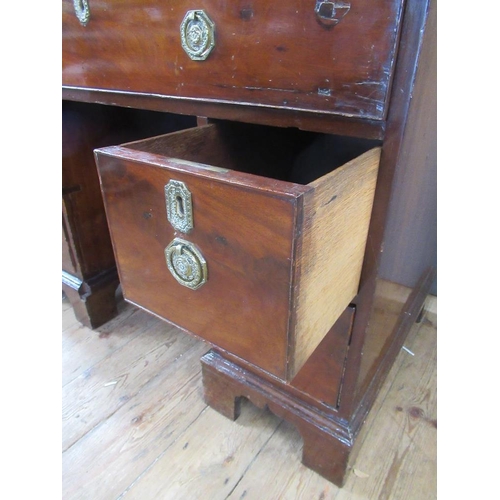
(261, 224)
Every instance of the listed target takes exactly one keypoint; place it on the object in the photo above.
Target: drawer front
(244, 234)
(287, 55)
(259, 266)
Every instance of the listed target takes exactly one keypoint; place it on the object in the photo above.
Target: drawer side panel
(336, 218)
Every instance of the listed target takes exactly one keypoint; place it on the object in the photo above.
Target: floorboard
(135, 425)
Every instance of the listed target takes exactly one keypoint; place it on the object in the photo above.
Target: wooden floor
(135, 425)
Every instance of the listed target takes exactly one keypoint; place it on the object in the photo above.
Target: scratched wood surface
(135, 424)
(275, 54)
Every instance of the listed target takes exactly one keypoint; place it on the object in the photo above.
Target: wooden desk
(325, 77)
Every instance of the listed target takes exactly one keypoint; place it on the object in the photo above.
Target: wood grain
(330, 441)
(89, 270)
(264, 208)
(413, 30)
(84, 222)
(141, 448)
(248, 252)
(336, 218)
(402, 90)
(388, 302)
(80, 347)
(136, 366)
(411, 237)
(314, 122)
(320, 378)
(405, 416)
(87, 254)
(222, 460)
(259, 59)
(125, 444)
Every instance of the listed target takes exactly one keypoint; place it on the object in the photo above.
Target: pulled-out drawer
(249, 237)
(334, 57)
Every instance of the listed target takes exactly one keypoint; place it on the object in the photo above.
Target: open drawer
(249, 237)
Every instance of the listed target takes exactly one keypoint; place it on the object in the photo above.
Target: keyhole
(180, 205)
(327, 10)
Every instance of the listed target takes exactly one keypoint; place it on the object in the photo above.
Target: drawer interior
(285, 154)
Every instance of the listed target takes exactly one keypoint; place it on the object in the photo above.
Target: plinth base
(328, 442)
(94, 300)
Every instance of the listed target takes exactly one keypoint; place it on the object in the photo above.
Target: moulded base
(327, 439)
(94, 300)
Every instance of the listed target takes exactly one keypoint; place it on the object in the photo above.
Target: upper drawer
(281, 54)
(242, 234)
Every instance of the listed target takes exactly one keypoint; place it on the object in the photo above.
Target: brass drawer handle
(82, 11)
(197, 35)
(186, 263)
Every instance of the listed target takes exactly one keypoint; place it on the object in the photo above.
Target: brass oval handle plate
(197, 35)
(186, 263)
(82, 11)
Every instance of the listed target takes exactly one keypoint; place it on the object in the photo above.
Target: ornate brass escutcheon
(186, 263)
(82, 11)
(197, 35)
(179, 206)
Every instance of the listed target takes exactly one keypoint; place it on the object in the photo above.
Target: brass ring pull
(82, 11)
(197, 35)
(186, 264)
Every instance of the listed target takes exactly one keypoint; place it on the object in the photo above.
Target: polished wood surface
(89, 275)
(269, 277)
(331, 442)
(248, 253)
(319, 381)
(134, 421)
(271, 54)
(314, 122)
(85, 229)
(411, 236)
(387, 305)
(89, 271)
(232, 376)
(392, 167)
